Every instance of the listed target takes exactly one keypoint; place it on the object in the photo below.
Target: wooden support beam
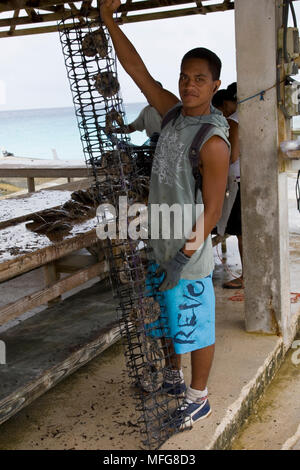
(165, 15)
(54, 9)
(33, 15)
(127, 4)
(86, 8)
(94, 13)
(91, 12)
(53, 292)
(30, 184)
(73, 8)
(13, 26)
(41, 18)
(51, 277)
(22, 4)
(200, 6)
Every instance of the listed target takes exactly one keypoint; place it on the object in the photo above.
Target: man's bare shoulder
(214, 146)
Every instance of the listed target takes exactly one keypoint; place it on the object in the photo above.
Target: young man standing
(185, 264)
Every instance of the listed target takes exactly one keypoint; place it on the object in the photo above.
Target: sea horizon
(52, 133)
(62, 107)
(49, 132)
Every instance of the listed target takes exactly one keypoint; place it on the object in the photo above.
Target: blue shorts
(187, 312)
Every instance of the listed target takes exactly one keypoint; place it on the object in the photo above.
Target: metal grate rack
(119, 169)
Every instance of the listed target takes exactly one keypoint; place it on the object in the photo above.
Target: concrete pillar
(263, 186)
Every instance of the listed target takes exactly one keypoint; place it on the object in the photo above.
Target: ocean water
(35, 132)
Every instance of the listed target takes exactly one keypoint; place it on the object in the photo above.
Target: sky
(33, 74)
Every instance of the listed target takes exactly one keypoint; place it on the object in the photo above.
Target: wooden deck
(49, 346)
(45, 348)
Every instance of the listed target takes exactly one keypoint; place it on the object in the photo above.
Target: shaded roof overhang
(25, 17)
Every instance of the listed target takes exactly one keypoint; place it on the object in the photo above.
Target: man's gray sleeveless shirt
(172, 182)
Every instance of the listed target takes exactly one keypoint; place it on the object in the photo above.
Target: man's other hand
(172, 270)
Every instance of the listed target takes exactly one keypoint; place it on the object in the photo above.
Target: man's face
(196, 86)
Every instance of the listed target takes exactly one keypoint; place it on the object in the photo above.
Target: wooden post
(51, 277)
(263, 189)
(30, 185)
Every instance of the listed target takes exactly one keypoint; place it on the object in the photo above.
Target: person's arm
(234, 140)
(160, 98)
(215, 157)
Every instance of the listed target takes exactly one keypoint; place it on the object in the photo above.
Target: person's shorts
(234, 224)
(187, 312)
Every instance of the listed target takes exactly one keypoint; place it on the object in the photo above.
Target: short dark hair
(232, 92)
(219, 98)
(211, 58)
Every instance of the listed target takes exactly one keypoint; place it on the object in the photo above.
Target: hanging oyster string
(119, 169)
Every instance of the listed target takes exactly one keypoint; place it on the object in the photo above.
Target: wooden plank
(168, 14)
(32, 260)
(57, 341)
(43, 172)
(56, 289)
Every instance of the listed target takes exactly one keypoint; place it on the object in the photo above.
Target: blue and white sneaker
(189, 412)
(173, 384)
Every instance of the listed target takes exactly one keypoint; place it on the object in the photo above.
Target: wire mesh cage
(120, 170)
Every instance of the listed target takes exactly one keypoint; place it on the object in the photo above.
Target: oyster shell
(113, 116)
(95, 43)
(106, 84)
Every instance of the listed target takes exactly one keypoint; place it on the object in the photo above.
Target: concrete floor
(274, 423)
(94, 407)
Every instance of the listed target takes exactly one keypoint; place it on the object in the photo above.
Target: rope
(261, 93)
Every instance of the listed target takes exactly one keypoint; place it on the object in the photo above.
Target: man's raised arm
(131, 61)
